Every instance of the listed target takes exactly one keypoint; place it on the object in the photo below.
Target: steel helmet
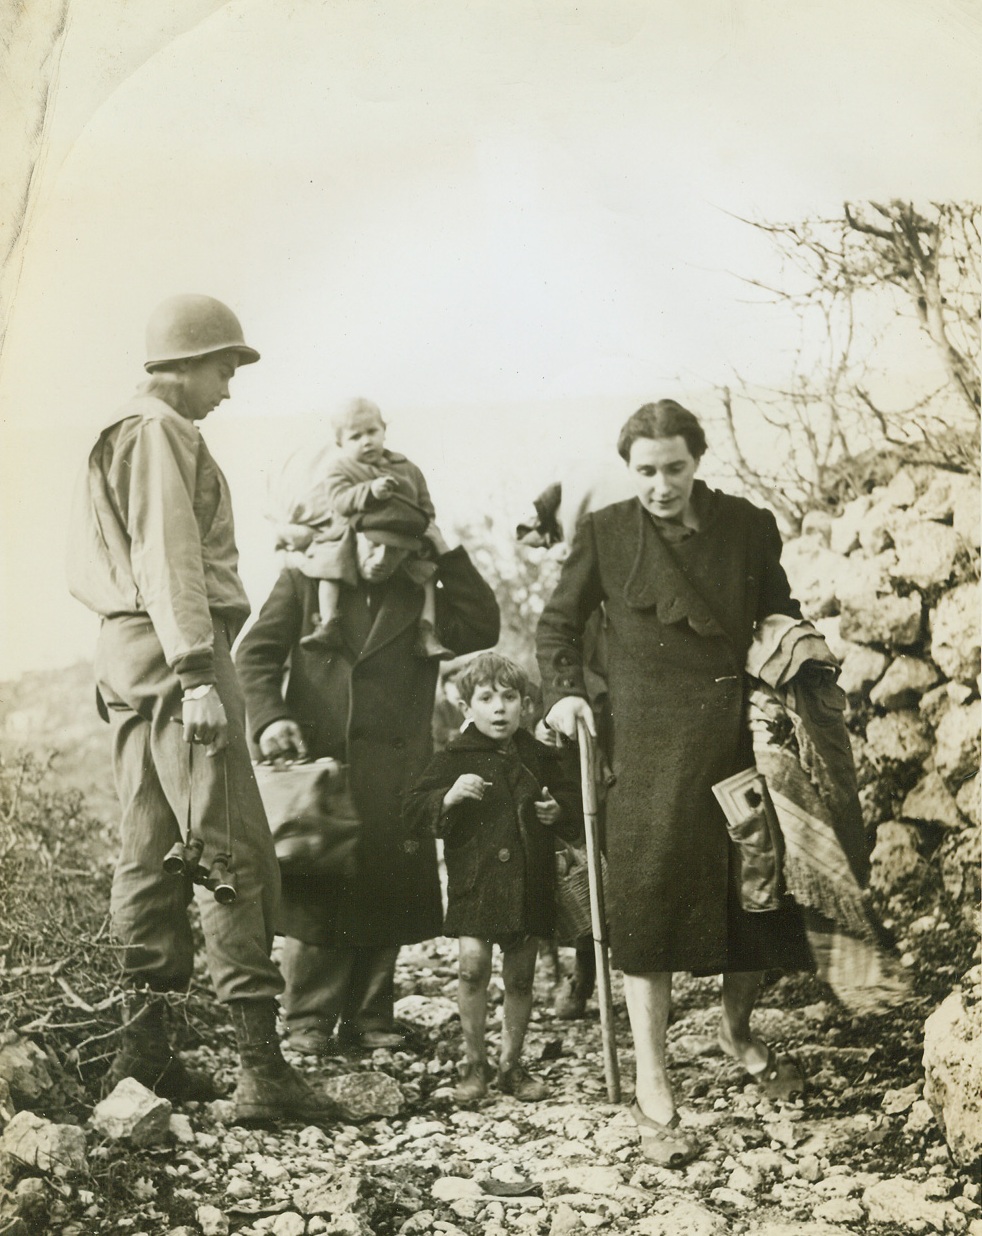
(189, 325)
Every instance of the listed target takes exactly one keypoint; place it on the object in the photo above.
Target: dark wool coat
(370, 708)
(501, 862)
(679, 621)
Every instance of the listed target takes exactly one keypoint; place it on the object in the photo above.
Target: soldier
(153, 553)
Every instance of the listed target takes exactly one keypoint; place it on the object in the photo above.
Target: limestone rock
(904, 683)
(868, 618)
(953, 1070)
(895, 859)
(24, 1067)
(682, 1217)
(813, 572)
(926, 554)
(844, 531)
(429, 1012)
(53, 1149)
(133, 1113)
(328, 1194)
(957, 745)
(211, 1221)
(965, 509)
(960, 860)
(902, 1201)
(955, 633)
(818, 525)
(967, 799)
(861, 669)
(930, 800)
(362, 1096)
(7, 1107)
(897, 738)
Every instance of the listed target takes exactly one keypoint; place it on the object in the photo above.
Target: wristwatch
(197, 693)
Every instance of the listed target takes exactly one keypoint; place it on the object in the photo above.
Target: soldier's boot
(270, 1090)
(145, 1053)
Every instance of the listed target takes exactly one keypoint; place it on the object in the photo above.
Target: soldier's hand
(563, 715)
(282, 740)
(205, 722)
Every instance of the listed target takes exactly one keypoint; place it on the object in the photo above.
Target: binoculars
(184, 859)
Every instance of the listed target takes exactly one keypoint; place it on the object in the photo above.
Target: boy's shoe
(427, 644)
(570, 1002)
(326, 636)
(473, 1082)
(520, 1084)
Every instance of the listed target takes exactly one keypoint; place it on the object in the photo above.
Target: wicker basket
(573, 920)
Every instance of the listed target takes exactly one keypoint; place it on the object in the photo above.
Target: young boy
(364, 484)
(495, 795)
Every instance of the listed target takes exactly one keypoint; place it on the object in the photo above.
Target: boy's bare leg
(429, 603)
(518, 973)
(473, 977)
(327, 634)
(427, 642)
(649, 1001)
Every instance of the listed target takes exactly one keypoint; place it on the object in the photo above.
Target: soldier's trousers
(162, 782)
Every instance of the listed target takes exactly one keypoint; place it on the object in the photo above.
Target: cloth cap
(398, 521)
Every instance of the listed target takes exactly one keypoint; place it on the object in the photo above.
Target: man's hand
(563, 715)
(282, 740)
(547, 809)
(435, 538)
(205, 722)
(384, 487)
(467, 785)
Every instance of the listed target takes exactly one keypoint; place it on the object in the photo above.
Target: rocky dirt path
(860, 1153)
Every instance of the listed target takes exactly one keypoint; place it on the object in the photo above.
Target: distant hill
(52, 713)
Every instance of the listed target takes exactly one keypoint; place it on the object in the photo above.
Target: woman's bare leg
(649, 1001)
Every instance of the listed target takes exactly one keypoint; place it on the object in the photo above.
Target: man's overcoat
(679, 619)
(369, 707)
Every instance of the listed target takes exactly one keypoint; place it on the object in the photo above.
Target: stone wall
(893, 584)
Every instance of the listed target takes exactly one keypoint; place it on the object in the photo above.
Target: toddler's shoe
(326, 636)
(520, 1084)
(472, 1084)
(427, 644)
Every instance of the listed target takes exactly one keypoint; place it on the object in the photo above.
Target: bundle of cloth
(801, 749)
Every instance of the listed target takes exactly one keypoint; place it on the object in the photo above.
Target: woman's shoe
(663, 1144)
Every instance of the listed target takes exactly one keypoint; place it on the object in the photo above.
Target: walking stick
(598, 913)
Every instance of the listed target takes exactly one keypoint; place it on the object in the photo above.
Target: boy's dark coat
(500, 859)
(370, 708)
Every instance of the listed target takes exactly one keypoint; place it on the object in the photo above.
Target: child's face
(495, 711)
(362, 436)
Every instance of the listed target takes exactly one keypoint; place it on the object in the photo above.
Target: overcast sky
(508, 222)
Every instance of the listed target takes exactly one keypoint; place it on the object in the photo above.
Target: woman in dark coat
(683, 573)
(370, 707)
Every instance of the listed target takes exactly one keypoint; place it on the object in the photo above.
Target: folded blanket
(802, 750)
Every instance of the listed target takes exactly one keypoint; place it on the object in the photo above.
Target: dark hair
(489, 669)
(664, 419)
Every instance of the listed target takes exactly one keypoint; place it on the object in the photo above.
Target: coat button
(504, 854)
